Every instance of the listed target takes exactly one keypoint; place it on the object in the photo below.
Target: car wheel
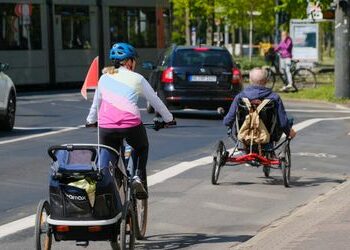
(8, 121)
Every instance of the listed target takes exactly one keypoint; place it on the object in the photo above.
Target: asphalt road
(186, 211)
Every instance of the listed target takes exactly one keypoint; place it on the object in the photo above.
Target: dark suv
(195, 77)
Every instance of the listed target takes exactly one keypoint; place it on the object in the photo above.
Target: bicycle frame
(256, 158)
(129, 158)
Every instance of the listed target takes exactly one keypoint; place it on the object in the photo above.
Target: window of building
(75, 26)
(136, 26)
(20, 27)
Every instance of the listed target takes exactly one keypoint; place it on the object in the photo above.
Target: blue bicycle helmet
(122, 51)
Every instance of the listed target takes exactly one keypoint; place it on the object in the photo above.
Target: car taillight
(62, 228)
(168, 76)
(236, 76)
(201, 49)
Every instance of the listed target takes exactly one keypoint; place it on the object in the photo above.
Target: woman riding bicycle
(115, 100)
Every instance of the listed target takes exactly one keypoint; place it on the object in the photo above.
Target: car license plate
(203, 78)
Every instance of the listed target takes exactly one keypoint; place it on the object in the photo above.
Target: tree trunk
(187, 24)
(210, 32)
(240, 41)
(233, 37)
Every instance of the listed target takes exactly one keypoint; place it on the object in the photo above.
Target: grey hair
(258, 76)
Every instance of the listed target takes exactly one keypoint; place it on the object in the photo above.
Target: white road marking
(176, 170)
(343, 110)
(29, 137)
(40, 128)
(316, 155)
(18, 225)
(154, 179)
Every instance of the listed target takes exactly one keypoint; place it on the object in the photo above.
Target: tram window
(75, 26)
(20, 27)
(133, 25)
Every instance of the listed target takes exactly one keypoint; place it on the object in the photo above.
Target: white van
(7, 100)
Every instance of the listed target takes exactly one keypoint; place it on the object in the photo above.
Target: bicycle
(302, 77)
(134, 215)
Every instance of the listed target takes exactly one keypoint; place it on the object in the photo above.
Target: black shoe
(139, 189)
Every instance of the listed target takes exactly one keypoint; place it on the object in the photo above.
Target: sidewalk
(322, 224)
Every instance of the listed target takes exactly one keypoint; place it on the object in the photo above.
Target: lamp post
(251, 15)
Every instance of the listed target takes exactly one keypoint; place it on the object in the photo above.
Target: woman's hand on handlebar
(172, 123)
(91, 125)
(158, 123)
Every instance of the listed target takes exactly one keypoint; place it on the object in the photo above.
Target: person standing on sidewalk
(285, 48)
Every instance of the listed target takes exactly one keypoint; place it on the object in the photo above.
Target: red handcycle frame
(254, 159)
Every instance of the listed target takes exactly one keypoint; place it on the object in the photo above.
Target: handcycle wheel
(304, 78)
(271, 79)
(219, 160)
(43, 233)
(141, 208)
(266, 171)
(127, 227)
(286, 166)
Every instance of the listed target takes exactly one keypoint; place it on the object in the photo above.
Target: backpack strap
(246, 102)
(262, 105)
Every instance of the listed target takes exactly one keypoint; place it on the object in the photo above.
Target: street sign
(314, 11)
(305, 36)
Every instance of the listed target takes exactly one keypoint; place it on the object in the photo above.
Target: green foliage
(236, 14)
(321, 93)
(246, 64)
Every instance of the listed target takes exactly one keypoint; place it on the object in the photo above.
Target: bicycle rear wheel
(141, 208)
(304, 78)
(127, 227)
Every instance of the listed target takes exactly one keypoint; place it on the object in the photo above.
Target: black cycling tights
(136, 137)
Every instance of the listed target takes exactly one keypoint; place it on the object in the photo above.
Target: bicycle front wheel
(304, 78)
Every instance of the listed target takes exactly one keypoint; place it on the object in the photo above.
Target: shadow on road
(180, 241)
(294, 182)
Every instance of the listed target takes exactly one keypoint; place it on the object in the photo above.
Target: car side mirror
(148, 65)
(3, 67)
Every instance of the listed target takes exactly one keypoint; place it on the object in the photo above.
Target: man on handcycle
(257, 91)
(119, 117)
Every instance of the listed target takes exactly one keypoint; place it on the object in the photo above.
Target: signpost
(342, 49)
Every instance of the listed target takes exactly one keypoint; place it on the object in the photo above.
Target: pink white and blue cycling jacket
(117, 96)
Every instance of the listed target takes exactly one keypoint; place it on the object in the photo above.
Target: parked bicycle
(302, 77)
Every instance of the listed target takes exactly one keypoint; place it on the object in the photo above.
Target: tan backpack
(253, 129)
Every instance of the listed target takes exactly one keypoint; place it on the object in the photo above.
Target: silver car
(7, 100)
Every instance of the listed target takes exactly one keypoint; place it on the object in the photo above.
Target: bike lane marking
(29, 221)
(29, 137)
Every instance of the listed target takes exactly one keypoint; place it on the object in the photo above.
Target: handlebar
(156, 125)
(51, 151)
(160, 124)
